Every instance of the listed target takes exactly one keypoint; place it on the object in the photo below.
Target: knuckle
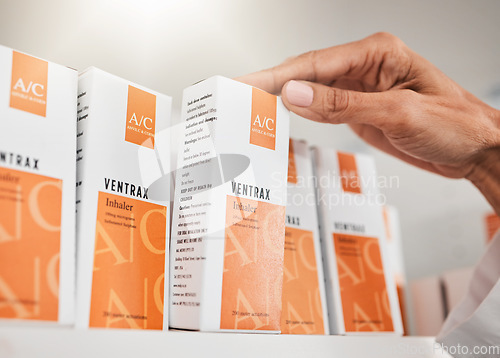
(335, 103)
(388, 38)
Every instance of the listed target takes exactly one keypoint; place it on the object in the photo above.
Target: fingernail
(299, 94)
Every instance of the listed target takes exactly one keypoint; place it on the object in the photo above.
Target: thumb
(326, 104)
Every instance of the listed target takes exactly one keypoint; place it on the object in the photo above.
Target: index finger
(321, 66)
(353, 60)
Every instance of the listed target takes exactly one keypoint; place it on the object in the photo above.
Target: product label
(263, 120)
(292, 168)
(129, 264)
(363, 292)
(30, 234)
(253, 265)
(349, 176)
(302, 312)
(141, 118)
(28, 88)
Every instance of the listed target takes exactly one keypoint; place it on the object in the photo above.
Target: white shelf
(24, 342)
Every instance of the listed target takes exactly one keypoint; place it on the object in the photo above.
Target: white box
(122, 201)
(304, 301)
(37, 188)
(395, 254)
(429, 307)
(360, 287)
(229, 209)
(492, 225)
(456, 283)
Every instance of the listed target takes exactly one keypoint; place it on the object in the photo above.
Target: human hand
(393, 99)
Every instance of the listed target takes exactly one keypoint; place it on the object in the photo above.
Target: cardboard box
(360, 287)
(122, 201)
(229, 209)
(37, 188)
(395, 251)
(304, 301)
(429, 306)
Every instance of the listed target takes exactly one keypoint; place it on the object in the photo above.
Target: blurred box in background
(304, 303)
(360, 286)
(395, 250)
(492, 222)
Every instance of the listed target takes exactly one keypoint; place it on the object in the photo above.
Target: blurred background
(167, 45)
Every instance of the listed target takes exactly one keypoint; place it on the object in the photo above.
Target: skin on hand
(396, 101)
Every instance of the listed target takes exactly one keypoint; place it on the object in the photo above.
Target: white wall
(169, 44)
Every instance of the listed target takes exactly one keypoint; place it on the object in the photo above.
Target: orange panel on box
(28, 88)
(349, 176)
(492, 225)
(141, 117)
(263, 120)
(402, 306)
(302, 312)
(363, 292)
(292, 168)
(129, 264)
(30, 234)
(253, 265)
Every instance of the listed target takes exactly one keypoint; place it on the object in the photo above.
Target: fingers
(327, 65)
(326, 104)
(322, 66)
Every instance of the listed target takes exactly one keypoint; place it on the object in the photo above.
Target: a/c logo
(143, 121)
(263, 119)
(35, 88)
(267, 123)
(141, 117)
(28, 91)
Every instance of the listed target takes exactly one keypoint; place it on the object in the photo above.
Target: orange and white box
(304, 301)
(37, 189)
(395, 250)
(429, 305)
(122, 199)
(228, 226)
(492, 225)
(360, 288)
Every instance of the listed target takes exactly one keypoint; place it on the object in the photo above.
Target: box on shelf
(304, 302)
(37, 188)
(492, 222)
(228, 223)
(428, 305)
(455, 285)
(360, 287)
(122, 201)
(395, 253)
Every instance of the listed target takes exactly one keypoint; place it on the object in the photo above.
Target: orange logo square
(141, 118)
(263, 121)
(349, 176)
(28, 88)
